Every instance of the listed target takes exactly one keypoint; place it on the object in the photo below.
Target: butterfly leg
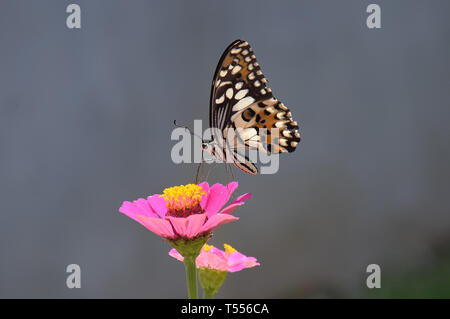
(209, 171)
(232, 172)
(198, 175)
(226, 174)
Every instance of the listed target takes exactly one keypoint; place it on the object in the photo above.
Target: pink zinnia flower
(213, 258)
(186, 211)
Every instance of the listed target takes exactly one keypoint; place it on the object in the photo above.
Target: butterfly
(242, 106)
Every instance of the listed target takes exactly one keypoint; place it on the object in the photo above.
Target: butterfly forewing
(240, 99)
(238, 82)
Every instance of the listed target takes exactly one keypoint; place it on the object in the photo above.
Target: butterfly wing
(240, 99)
(220, 102)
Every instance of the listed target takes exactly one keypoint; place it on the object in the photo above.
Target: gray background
(86, 117)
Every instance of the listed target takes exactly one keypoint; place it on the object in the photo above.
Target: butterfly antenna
(182, 126)
(188, 129)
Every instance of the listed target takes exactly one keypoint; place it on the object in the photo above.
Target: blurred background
(85, 123)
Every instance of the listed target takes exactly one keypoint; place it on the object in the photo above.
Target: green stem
(191, 277)
(190, 249)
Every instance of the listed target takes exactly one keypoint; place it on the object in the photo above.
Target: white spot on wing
(248, 133)
(287, 133)
(229, 93)
(236, 69)
(280, 124)
(283, 142)
(246, 101)
(220, 100)
(254, 144)
(241, 94)
(224, 83)
(280, 115)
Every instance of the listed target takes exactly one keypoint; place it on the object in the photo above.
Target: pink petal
(232, 186)
(204, 199)
(158, 204)
(236, 257)
(205, 186)
(217, 259)
(202, 260)
(208, 259)
(217, 251)
(188, 227)
(217, 220)
(175, 254)
(238, 202)
(143, 208)
(217, 197)
(243, 198)
(238, 261)
(230, 208)
(159, 226)
(138, 207)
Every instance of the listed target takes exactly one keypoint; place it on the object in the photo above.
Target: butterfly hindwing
(243, 163)
(274, 118)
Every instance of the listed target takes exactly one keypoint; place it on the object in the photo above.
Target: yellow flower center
(183, 200)
(229, 250)
(207, 247)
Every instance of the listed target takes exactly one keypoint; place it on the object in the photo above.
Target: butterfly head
(212, 148)
(208, 146)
